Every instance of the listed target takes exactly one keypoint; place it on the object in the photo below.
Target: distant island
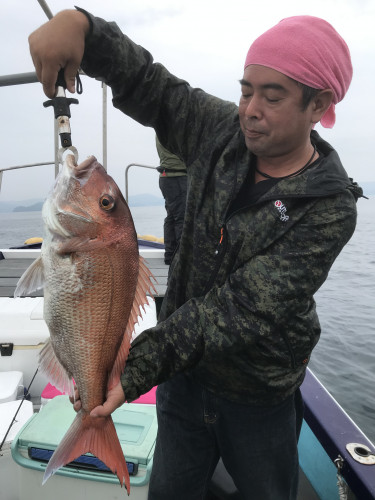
(137, 200)
(145, 200)
(36, 207)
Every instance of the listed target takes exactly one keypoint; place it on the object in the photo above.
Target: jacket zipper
(222, 244)
(220, 241)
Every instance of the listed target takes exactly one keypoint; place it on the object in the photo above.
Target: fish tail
(96, 435)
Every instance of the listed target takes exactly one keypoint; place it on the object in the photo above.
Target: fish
(95, 288)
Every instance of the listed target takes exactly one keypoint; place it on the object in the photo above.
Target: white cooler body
(63, 488)
(22, 325)
(11, 386)
(9, 470)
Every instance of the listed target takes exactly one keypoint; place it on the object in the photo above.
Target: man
(269, 209)
(173, 185)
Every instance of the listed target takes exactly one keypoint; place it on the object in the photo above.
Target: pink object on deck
(147, 399)
(50, 391)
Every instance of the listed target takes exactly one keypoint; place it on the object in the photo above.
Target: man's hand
(115, 398)
(59, 43)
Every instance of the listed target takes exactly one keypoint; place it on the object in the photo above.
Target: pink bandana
(309, 50)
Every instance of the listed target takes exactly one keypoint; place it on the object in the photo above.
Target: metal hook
(61, 152)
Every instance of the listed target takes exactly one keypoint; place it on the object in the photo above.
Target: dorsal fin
(144, 287)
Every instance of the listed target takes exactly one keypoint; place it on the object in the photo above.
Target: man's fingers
(70, 77)
(102, 411)
(48, 79)
(115, 398)
(77, 405)
(75, 400)
(57, 44)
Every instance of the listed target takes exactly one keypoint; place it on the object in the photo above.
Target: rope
(27, 393)
(342, 488)
(79, 84)
(341, 484)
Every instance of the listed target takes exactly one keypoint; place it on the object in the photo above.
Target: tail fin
(91, 435)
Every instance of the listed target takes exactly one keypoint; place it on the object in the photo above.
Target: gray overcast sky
(202, 41)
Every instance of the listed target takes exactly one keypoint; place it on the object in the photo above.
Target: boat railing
(16, 167)
(26, 78)
(6, 169)
(127, 176)
(18, 79)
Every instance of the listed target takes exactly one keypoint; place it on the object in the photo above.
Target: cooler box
(136, 427)
(23, 333)
(8, 472)
(7, 413)
(10, 386)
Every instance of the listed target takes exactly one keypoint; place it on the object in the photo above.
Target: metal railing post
(127, 177)
(45, 8)
(104, 126)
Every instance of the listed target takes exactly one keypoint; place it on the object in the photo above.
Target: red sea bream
(94, 284)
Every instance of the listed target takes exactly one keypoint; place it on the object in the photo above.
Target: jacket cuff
(157, 354)
(89, 17)
(141, 369)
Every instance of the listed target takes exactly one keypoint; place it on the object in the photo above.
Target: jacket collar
(326, 177)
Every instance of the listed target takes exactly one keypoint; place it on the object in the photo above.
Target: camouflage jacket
(239, 314)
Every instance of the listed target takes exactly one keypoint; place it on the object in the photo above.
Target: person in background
(173, 185)
(269, 208)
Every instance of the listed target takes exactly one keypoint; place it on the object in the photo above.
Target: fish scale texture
(88, 324)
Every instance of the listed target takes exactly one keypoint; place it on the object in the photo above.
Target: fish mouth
(60, 209)
(82, 170)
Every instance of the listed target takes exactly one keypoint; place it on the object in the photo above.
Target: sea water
(344, 358)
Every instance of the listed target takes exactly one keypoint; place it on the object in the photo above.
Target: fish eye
(106, 202)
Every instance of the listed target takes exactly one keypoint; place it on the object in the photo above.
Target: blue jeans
(258, 445)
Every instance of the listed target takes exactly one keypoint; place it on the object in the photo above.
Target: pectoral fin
(52, 367)
(31, 280)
